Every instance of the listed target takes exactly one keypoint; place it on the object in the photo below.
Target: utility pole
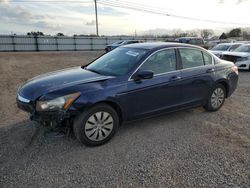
(96, 19)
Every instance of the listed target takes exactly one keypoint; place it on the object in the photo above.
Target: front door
(161, 92)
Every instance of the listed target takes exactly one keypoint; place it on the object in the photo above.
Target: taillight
(235, 69)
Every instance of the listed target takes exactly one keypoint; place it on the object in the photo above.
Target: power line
(127, 5)
(135, 5)
(47, 1)
(159, 12)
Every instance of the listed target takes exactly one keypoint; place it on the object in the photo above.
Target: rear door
(197, 75)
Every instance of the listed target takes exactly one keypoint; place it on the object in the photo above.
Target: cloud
(102, 10)
(241, 1)
(46, 25)
(18, 12)
(21, 16)
(108, 11)
(91, 23)
(238, 1)
(4, 1)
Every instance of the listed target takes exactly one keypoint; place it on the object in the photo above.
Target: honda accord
(131, 82)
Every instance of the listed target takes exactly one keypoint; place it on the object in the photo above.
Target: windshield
(244, 48)
(221, 47)
(119, 42)
(117, 62)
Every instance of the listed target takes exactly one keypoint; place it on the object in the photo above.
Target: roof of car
(159, 45)
(190, 38)
(230, 43)
(246, 44)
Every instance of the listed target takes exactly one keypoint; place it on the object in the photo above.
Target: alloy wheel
(99, 126)
(217, 98)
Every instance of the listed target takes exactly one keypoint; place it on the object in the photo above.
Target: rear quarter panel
(225, 74)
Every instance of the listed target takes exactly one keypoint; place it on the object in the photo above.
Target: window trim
(170, 48)
(204, 58)
(203, 51)
(179, 65)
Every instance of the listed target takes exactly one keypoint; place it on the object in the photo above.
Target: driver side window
(161, 62)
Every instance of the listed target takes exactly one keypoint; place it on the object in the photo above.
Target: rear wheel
(97, 125)
(216, 98)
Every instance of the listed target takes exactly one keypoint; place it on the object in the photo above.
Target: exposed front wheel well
(225, 84)
(116, 107)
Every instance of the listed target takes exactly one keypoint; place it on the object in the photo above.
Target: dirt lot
(191, 148)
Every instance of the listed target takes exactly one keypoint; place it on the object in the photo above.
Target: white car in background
(240, 56)
(224, 47)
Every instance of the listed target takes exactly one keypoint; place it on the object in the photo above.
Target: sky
(116, 17)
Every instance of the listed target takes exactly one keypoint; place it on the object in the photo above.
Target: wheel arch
(225, 84)
(116, 107)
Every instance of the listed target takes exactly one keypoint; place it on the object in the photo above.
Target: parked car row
(240, 56)
(238, 53)
(228, 51)
(192, 40)
(224, 47)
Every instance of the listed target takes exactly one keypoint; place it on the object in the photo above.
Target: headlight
(60, 103)
(243, 59)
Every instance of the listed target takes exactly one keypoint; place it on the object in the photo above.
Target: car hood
(238, 54)
(216, 52)
(53, 81)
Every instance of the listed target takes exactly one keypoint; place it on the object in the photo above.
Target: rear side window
(161, 62)
(191, 58)
(207, 59)
(233, 47)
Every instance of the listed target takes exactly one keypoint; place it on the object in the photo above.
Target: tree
(36, 33)
(234, 32)
(206, 33)
(223, 36)
(59, 34)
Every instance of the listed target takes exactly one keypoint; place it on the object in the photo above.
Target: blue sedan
(120, 43)
(131, 82)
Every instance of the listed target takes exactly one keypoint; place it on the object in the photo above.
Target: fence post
(13, 42)
(75, 42)
(107, 41)
(57, 48)
(91, 43)
(36, 43)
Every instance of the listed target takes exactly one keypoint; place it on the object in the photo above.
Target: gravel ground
(191, 148)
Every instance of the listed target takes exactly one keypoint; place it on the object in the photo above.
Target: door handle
(174, 78)
(210, 70)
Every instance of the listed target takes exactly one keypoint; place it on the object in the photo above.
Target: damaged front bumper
(54, 118)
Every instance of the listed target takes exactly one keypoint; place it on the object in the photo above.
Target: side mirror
(145, 74)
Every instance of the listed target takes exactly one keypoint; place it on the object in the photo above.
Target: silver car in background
(240, 56)
(224, 47)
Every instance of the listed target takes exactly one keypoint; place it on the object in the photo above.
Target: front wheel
(216, 98)
(97, 125)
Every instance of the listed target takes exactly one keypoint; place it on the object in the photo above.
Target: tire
(216, 98)
(97, 125)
